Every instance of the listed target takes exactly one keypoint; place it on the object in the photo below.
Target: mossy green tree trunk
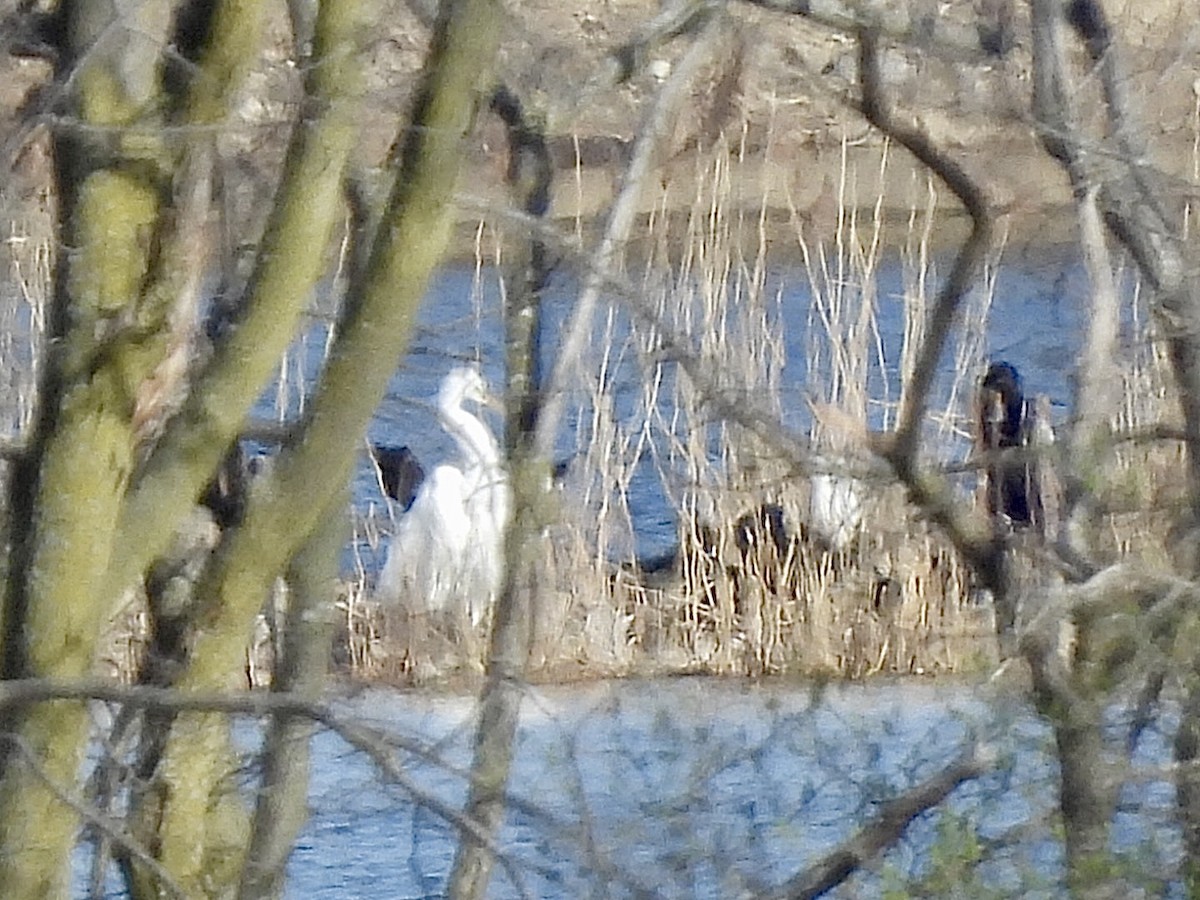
(115, 462)
(107, 333)
(374, 331)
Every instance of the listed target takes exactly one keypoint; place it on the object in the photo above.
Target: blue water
(700, 788)
(1035, 322)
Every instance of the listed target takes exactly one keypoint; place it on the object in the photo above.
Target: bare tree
(124, 442)
(135, 414)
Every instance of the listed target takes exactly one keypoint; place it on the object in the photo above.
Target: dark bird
(1006, 421)
(226, 494)
(400, 472)
(759, 526)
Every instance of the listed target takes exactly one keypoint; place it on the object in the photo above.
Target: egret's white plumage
(448, 550)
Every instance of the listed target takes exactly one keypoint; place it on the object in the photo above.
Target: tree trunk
(306, 631)
(529, 177)
(66, 492)
(377, 324)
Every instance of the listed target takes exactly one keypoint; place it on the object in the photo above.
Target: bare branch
(616, 232)
(676, 20)
(904, 23)
(111, 828)
(1089, 446)
(968, 260)
(894, 817)
(529, 179)
(974, 539)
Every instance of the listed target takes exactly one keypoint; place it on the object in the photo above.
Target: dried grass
(896, 599)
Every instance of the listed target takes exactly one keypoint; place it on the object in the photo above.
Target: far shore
(1035, 213)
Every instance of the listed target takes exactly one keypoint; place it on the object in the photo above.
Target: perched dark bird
(1003, 406)
(400, 473)
(1006, 421)
(225, 495)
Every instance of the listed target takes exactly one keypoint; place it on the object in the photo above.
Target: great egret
(448, 550)
(1005, 421)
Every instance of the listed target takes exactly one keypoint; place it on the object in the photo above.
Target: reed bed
(894, 598)
(749, 587)
(740, 593)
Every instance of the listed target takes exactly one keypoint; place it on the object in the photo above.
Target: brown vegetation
(897, 599)
(830, 141)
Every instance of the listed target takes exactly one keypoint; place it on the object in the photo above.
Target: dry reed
(737, 596)
(895, 599)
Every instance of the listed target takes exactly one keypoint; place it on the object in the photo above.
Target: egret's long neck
(472, 436)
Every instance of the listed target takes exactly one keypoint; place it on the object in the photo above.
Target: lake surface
(699, 788)
(705, 788)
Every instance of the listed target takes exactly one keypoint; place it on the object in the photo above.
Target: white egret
(448, 550)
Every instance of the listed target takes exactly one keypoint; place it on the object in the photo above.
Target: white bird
(835, 507)
(448, 550)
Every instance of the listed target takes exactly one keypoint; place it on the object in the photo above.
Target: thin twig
(111, 828)
(899, 22)
(978, 543)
